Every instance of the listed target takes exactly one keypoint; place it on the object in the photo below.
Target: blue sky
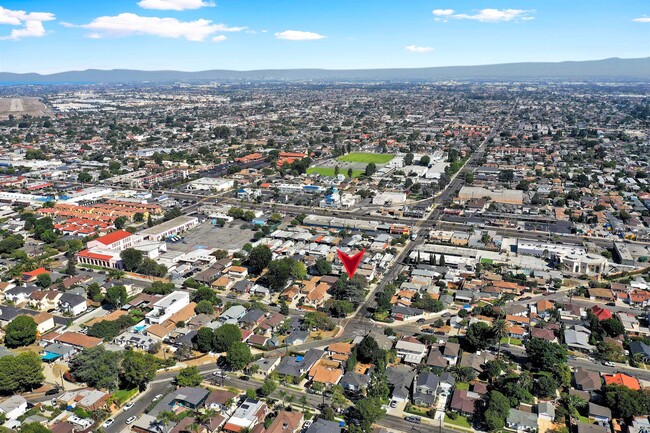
(56, 35)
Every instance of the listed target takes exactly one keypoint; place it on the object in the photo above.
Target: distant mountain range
(607, 69)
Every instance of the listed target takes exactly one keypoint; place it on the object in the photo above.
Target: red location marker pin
(351, 263)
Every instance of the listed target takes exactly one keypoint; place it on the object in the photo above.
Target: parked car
(421, 320)
(245, 378)
(131, 419)
(52, 391)
(413, 419)
(393, 403)
(108, 423)
(609, 364)
(128, 406)
(157, 397)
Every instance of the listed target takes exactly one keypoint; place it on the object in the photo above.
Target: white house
(167, 306)
(73, 304)
(13, 407)
(409, 352)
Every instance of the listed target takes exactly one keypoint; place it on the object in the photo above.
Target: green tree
(268, 387)
(425, 160)
(408, 159)
(204, 307)
(225, 336)
(544, 355)
(97, 367)
(625, 402)
(204, 339)
(478, 337)
(138, 217)
(131, 259)
(284, 308)
(238, 356)
(368, 350)
(370, 411)
(70, 268)
(159, 288)
(259, 258)
(322, 266)
(84, 177)
(371, 169)
(116, 296)
(189, 376)
(138, 369)
(44, 280)
(120, 222)
(22, 372)
(545, 387)
(497, 409)
(21, 331)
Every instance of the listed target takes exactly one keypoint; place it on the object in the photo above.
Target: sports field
(329, 171)
(377, 158)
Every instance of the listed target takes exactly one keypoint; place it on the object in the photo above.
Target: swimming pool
(49, 356)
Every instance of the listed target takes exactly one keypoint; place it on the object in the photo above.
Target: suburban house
(13, 407)
(410, 352)
(73, 304)
(426, 387)
(248, 415)
(522, 421)
(286, 422)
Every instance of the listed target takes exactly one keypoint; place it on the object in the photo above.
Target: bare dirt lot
(20, 106)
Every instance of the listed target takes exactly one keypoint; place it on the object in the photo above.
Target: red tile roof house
(601, 313)
(31, 276)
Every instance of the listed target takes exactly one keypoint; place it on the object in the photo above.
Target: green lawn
(462, 386)
(460, 421)
(377, 158)
(508, 340)
(329, 171)
(123, 395)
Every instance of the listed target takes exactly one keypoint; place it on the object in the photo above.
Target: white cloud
(297, 35)
(128, 24)
(219, 38)
(174, 5)
(443, 12)
(32, 23)
(485, 15)
(642, 20)
(416, 49)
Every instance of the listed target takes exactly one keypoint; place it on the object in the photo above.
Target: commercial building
(506, 196)
(211, 184)
(169, 228)
(167, 307)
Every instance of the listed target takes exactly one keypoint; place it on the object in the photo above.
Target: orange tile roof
(622, 380)
(341, 347)
(112, 237)
(80, 340)
(323, 374)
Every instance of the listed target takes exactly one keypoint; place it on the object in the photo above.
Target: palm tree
(116, 274)
(572, 403)
(290, 399)
(462, 373)
(303, 402)
(499, 329)
(283, 395)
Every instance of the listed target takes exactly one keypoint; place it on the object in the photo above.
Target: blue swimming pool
(49, 356)
(139, 328)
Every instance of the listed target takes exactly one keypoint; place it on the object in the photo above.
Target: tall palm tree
(303, 402)
(283, 395)
(290, 399)
(499, 330)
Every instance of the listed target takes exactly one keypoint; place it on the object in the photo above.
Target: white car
(131, 419)
(108, 423)
(128, 406)
(306, 424)
(610, 364)
(157, 397)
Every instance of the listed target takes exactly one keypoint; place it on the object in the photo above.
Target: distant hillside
(614, 68)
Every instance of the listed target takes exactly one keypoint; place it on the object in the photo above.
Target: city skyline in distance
(197, 35)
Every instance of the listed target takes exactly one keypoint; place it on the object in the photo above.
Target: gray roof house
(401, 379)
(601, 414)
(520, 420)
(296, 366)
(426, 387)
(324, 426)
(352, 381)
(235, 312)
(639, 347)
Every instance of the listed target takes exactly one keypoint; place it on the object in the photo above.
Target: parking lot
(229, 237)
